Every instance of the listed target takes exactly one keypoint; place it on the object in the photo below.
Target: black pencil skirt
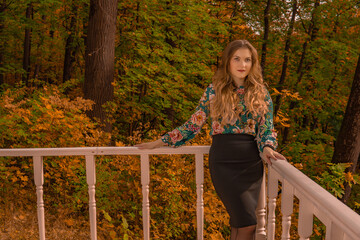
(236, 171)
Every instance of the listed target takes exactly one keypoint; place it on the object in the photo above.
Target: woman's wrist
(160, 142)
(269, 146)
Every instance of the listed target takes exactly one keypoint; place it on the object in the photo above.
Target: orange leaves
(282, 119)
(349, 177)
(287, 93)
(298, 166)
(46, 118)
(24, 178)
(69, 222)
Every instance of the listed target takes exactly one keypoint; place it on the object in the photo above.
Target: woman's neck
(239, 82)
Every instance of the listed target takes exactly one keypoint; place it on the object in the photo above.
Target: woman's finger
(267, 159)
(280, 156)
(272, 156)
(143, 146)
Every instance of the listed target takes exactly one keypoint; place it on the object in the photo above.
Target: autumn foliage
(165, 55)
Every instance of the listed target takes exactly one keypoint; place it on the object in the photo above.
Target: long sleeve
(266, 135)
(180, 135)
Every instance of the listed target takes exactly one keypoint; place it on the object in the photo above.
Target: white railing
(340, 221)
(90, 152)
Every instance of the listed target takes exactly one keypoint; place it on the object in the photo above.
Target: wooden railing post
(287, 200)
(145, 181)
(334, 233)
(261, 213)
(91, 181)
(39, 182)
(305, 225)
(272, 194)
(199, 172)
(341, 222)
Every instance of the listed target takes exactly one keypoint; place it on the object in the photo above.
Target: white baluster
(91, 181)
(286, 208)
(199, 171)
(272, 193)
(305, 226)
(145, 181)
(347, 237)
(334, 232)
(39, 181)
(261, 213)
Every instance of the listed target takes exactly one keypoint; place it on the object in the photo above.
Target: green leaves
(166, 56)
(45, 118)
(333, 179)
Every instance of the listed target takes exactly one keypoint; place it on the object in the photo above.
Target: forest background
(162, 56)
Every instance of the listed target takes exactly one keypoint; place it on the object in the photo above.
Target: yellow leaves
(48, 106)
(287, 93)
(112, 234)
(119, 144)
(193, 221)
(316, 231)
(216, 236)
(106, 215)
(46, 118)
(349, 177)
(14, 179)
(298, 166)
(282, 119)
(184, 226)
(69, 222)
(27, 120)
(24, 178)
(276, 92)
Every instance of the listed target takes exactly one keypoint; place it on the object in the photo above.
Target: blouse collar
(240, 89)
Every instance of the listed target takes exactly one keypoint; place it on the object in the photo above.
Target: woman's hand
(151, 145)
(269, 154)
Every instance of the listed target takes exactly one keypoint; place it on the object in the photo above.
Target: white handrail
(83, 151)
(90, 153)
(341, 222)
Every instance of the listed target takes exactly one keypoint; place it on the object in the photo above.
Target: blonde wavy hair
(224, 105)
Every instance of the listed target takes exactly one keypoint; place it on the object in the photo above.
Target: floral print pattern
(262, 128)
(198, 118)
(217, 128)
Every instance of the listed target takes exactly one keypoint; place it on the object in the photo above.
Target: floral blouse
(262, 128)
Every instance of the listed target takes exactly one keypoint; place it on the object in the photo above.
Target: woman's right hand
(151, 145)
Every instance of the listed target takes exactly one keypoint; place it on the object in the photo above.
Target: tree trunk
(347, 146)
(266, 37)
(99, 57)
(312, 31)
(286, 57)
(233, 14)
(27, 46)
(70, 49)
(2, 9)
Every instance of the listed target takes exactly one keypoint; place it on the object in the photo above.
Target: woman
(240, 109)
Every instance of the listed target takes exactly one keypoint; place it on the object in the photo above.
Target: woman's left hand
(269, 154)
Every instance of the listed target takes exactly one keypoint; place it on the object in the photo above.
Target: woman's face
(240, 64)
